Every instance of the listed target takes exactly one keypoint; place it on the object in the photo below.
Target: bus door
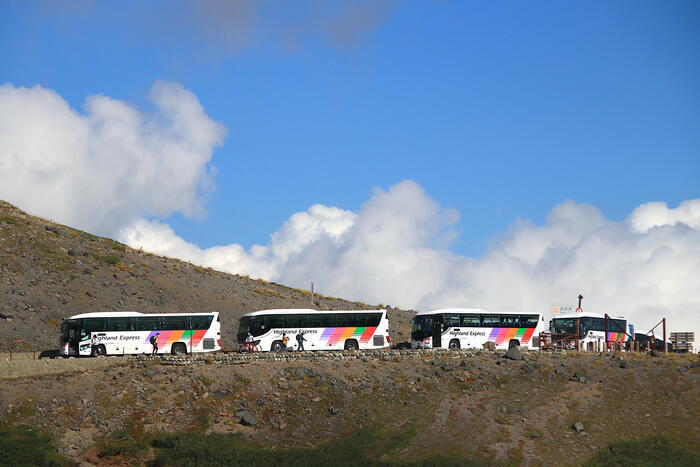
(71, 336)
(436, 326)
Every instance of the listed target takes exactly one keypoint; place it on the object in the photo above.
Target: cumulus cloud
(112, 166)
(104, 168)
(394, 250)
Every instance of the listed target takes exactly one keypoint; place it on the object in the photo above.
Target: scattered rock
(513, 354)
(489, 345)
(246, 418)
(577, 427)
(655, 353)
(51, 228)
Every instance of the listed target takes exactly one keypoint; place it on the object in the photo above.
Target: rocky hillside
(368, 408)
(49, 272)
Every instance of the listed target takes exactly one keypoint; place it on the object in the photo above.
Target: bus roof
(581, 314)
(471, 310)
(129, 314)
(293, 311)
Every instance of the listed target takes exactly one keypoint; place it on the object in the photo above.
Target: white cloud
(394, 251)
(102, 169)
(106, 169)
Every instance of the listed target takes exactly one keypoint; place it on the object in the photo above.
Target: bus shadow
(49, 354)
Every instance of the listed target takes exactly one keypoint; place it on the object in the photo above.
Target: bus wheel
(351, 344)
(99, 351)
(178, 349)
(513, 343)
(277, 346)
(454, 344)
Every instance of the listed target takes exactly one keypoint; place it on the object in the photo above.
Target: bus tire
(178, 348)
(99, 351)
(513, 343)
(454, 344)
(351, 344)
(277, 346)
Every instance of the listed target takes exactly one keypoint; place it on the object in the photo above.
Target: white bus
(322, 330)
(130, 332)
(592, 330)
(468, 328)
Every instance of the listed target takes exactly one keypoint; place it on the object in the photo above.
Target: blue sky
(500, 110)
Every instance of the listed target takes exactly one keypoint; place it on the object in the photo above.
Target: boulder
(246, 418)
(513, 354)
(489, 345)
(577, 427)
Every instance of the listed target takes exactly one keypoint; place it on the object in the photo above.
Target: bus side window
(490, 321)
(94, 325)
(145, 323)
(174, 323)
(451, 321)
(316, 321)
(201, 322)
(471, 321)
(120, 324)
(528, 321)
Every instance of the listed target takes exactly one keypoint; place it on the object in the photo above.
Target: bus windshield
(252, 325)
(564, 325)
(422, 328)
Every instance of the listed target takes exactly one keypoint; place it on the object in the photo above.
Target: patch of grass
(9, 220)
(264, 291)
(109, 259)
(23, 445)
(655, 451)
(52, 323)
(117, 246)
(129, 441)
(22, 411)
(364, 447)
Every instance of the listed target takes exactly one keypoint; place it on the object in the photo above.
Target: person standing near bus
(154, 343)
(300, 341)
(285, 340)
(93, 345)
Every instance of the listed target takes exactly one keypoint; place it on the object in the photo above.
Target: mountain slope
(49, 272)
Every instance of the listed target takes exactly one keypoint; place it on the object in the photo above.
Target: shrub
(109, 259)
(655, 451)
(23, 445)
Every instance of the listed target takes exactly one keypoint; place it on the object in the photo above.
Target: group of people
(300, 341)
(250, 342)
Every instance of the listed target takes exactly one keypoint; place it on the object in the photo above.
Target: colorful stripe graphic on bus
(616, 337)
(166, 338)
(335, 335)
(501, 335)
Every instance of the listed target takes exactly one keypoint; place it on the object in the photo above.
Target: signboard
(562, 309)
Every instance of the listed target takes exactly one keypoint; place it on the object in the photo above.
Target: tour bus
(130, 332)
(592, 330)
(468, 328)
(322, 330)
